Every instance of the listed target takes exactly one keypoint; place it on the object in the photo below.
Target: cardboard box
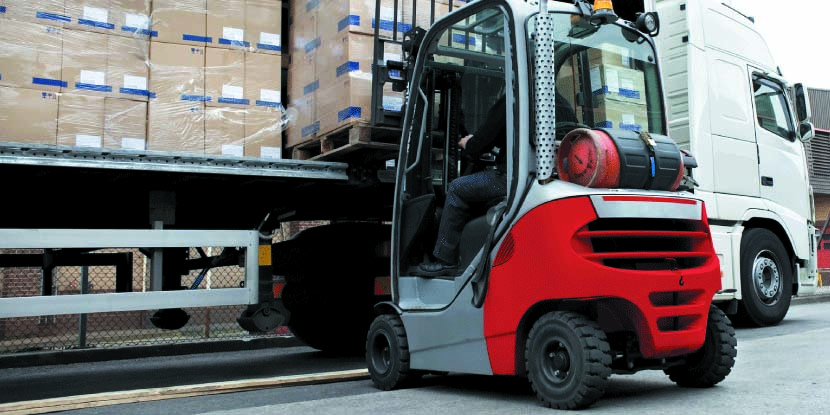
(128, 67)
(30, 55)
(50, 12)
(618, 114)
(131, 17)
(618, 83)
(306, 125)
(349, 54)
(80, 120)
(263, 25)
(225, 77)
(177, 72)
(85, 63)
(263, 133)
(180, 21)
(304, 38)
(28, 115)
(226, 23)
(608, 54)
(176, 126)
(225, 131)
(90, 15)
(125, 124)
(263, 80)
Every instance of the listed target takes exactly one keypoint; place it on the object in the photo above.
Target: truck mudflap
(642, 263)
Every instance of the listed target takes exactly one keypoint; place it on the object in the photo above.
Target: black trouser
(479, 187)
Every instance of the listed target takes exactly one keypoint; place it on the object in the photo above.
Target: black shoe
(435, 269)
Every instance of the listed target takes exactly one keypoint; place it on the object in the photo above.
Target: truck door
(781, 165)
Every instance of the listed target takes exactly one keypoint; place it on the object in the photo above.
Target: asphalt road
(782, 369)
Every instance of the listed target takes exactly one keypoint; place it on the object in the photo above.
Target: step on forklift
(597, 260)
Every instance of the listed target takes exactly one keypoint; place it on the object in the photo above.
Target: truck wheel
(387, 353)
(713, 362)
(568, 360)
(766, 278)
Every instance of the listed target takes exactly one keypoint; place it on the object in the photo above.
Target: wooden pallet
(333, 146)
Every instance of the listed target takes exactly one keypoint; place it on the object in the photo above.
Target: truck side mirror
(802, 103)
(806, 131)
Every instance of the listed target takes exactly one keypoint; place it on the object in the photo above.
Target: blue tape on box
(53, 16)
(93, 23)
(604, 124)
(243, 43)
(389, 24)
(137, 31)
(310, 129)
(198, 98)
(2, 9)
(460, 38)
(312, 44)
(236, 101)
(270, 104)
(264, 46)
(49, 82)
(347, 67)
(93, 87)
(311, 5)
(195, 38)
(348, 113)
(628, 93)
(350, 20)
(632, 127)
(311, 87)
(395, 73)
(139, 92)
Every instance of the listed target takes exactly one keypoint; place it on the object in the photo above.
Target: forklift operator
(480, 187)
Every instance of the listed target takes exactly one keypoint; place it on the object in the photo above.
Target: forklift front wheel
(387, 353)
(568, 360)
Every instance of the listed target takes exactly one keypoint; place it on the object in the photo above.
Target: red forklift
(598, 259)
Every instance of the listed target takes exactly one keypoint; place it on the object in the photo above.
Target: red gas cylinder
(614, 158)
(589, 158)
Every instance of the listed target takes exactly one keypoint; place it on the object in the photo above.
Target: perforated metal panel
(545, 97)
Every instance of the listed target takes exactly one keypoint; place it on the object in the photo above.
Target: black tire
(568, 360)
(387, 353)
(714, 361)
(766, 279)
(332, 322)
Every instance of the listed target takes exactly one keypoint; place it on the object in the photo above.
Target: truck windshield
(606, 74)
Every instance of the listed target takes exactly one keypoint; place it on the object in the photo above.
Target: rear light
(278, 287)
(383, 285)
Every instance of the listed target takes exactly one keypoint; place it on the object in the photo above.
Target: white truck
(728, 104)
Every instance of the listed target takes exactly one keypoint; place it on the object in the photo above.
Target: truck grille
(645, 244)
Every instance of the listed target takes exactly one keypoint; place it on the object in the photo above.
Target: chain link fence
(119, 329)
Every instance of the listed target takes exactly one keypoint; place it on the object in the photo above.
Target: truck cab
(729, 105)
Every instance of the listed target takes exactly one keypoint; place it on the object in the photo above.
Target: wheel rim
(767, 277)
(557, 362)
(381, 353)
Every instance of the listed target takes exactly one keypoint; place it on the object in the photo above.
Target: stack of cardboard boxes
(332, 50)
(618, 89)
(187, 76)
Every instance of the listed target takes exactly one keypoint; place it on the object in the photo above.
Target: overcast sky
(797, 34)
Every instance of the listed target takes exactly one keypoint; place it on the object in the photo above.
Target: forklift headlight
(648, 23)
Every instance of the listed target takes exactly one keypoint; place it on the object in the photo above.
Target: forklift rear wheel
(568, 360)
(713, 362)
(387, 353)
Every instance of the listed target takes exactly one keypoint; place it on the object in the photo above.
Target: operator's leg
(479, 187)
